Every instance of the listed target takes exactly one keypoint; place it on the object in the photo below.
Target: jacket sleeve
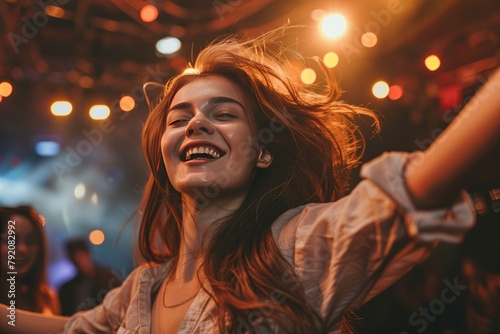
(346, 252)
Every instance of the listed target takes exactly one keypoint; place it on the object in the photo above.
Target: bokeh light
(86, 82)
(94, 199)
(99, 111)
(61, 108)
(317, 14)
(432, 62)
(96, 237)
(331, 59)
(333, 25)
(369, 39)
(149, 13)
(380, 89)
(308, 76)
(47, 148)
(54, 11)
(79, 191)
(395, 92)
(5, 89)
(127, 103)
(168, 45)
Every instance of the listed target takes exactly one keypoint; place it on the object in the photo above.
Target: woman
(24, 252)
(244, 224)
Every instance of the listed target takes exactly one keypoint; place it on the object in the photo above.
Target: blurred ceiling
(106, 41)
(98, 50)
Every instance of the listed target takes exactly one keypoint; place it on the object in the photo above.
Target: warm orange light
(127, 103)
(380, 89)
(86, 82)
(96, 237)
(317, 14)
(308, 76)
(333, 25)
(54, 11)
(149, 13)
(5, 89)
(369, 39)
(432, 62)
(331, 59)
(61, 108)
(395, 92)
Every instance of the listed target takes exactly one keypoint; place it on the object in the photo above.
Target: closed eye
(225, 115)
(178, 122)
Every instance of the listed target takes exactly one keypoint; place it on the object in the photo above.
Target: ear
(265, 158)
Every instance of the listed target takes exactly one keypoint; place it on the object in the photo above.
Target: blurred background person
(91, 283)
(29, 261)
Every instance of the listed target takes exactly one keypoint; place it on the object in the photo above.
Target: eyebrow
(211, 101)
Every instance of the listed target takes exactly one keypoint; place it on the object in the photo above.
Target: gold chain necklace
(178, 304)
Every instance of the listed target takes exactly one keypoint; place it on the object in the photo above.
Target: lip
(198, 143)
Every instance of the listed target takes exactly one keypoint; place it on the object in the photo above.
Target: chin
(203, 187)
(23, 270)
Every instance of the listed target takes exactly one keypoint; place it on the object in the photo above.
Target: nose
(22, 247)
(199, 124)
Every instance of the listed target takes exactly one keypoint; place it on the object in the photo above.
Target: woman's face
(208, 146)
(26, 248)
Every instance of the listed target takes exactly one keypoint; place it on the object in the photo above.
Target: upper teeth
(201, 150)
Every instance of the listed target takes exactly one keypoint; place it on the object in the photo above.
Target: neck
(197, 223)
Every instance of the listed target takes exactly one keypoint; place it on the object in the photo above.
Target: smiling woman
(207, 127)
(245, 222)
(24, 262)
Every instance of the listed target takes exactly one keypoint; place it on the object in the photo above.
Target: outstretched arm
(473, 138)
(24, 322)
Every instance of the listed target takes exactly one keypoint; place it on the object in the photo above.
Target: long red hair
(314, 143)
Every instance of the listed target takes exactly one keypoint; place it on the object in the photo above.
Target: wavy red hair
(314, 143)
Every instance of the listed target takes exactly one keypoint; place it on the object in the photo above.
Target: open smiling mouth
(201, 152)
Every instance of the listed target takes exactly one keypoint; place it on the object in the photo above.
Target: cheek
(240, 135)
(163, 146)
(3, 252)
(168, 146)
(245, 144)
(35, 252)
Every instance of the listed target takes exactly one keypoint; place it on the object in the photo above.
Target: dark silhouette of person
(91, 283)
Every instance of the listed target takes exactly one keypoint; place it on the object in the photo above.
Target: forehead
(23, 224)
(203, 88)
